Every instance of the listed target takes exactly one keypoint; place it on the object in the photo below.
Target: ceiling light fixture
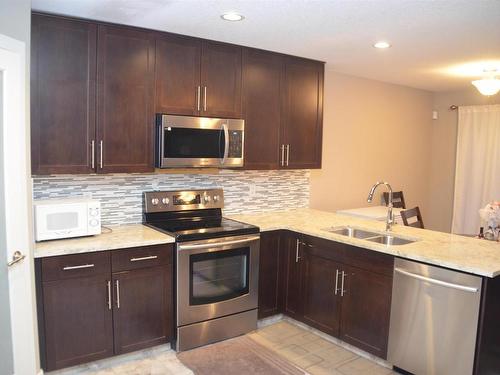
(489, 85)
(232, 16)
(382, 45)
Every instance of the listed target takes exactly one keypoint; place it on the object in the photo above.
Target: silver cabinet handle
(92, 155)
(437, 282)
(287, 155)
(336, 281)
(282, 161)
(342, 291)
(16, 258)
(205, 98)
(109, 294)
(198, 98)
(101, 145)
(297, 258)
(117, 284)
(68, 268)
(143, 258)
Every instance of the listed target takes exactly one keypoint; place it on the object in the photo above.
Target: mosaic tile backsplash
(121, 195)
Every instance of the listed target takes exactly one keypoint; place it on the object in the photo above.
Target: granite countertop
(122, 236)
(479, 257)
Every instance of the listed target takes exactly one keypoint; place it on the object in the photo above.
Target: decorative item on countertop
(491, 215)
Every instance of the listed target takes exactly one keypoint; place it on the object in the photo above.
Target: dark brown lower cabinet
(78, 322)
(339, 289)
(321, 302)
(141, 312)
(88, 312)
(269, 274)
(366, 310)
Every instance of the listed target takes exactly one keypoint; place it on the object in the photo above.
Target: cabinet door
(125, 112)
(142, 313)
(78, 321)
(221, 80)
(321, 300)
(178, 89)
(269, 274)
(303, 113)
(262, 88)
(366, 308)
(292, 298)
(63, 68)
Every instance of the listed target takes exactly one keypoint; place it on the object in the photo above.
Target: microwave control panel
(235, 144)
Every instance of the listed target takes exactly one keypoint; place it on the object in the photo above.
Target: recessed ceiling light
(231, 16)
(382, 45)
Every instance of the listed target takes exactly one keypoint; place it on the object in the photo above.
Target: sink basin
(390, 240)
(362, 234)
(353, 232)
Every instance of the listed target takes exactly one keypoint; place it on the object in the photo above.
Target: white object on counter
(373, 212)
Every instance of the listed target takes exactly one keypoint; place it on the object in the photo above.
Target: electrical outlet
(252, 189)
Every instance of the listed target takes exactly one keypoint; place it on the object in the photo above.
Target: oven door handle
(226, 143)
(216, 244)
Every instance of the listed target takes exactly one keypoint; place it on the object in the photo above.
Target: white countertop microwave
(66, 218)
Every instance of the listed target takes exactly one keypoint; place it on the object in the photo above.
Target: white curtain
(477, 174)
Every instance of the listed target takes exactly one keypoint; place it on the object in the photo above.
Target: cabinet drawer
(370, 260)
(141, 257)
(76, 265)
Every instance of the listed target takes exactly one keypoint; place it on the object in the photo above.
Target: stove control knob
(165, 201)
(155, 201)
(216, 198)
(206, 198)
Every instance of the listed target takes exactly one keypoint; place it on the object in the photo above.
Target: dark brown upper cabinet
(125, 94)
(302, 113)
(63, 73)
(197, 78)
(263, 78)
(178, 64)
(283, 109)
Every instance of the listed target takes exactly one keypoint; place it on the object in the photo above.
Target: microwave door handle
(226, 143)
(161, 141)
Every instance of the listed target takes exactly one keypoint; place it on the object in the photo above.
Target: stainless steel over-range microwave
(186, 141)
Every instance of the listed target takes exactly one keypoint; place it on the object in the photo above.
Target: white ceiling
(428, 37)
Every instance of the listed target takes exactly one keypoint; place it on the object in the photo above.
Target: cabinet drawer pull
(342, 291)
(336, 281)
(68, 268)
(109, 294)
(117, 283)
(144, 258)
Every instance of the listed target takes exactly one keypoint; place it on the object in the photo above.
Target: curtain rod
(453, 107)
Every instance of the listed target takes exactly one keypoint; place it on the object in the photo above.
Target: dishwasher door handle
(437, 282)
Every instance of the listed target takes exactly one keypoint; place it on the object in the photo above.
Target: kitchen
(276, 144)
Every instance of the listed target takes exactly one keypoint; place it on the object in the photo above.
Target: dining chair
(398, 199)
(414, 215)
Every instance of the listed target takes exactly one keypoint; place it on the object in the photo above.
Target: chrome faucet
(390, 217)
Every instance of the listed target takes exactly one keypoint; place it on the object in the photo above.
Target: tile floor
(302, 347)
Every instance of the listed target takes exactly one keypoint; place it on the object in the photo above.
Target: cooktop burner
(191, 215)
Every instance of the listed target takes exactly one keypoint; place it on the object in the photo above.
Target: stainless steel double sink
(382, 238)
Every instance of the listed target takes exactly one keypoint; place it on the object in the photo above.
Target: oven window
(218, 276)
(193, 143)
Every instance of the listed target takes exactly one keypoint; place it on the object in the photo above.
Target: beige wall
(442, 169)
(372, 131)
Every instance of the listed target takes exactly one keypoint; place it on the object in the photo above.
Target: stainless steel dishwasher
(434, 318)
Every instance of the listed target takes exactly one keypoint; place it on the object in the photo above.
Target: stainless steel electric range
(217, 265)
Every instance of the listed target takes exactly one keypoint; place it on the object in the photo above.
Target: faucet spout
(390, 217)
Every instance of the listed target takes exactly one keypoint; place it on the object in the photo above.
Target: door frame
(17, 193)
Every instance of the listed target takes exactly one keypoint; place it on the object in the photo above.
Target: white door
(18, 330)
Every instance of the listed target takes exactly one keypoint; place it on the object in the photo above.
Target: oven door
(185, 141)
(216, 277)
